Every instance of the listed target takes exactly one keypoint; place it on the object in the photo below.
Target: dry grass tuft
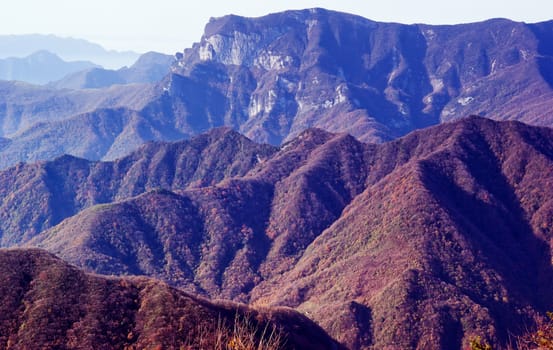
(541, 338)
(243, 334)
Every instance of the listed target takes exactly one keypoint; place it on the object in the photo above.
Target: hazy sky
(172, 25)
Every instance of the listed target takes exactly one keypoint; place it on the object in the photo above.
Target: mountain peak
(153, 58)
(381, 86)
(315, 135)
(44, 54)
(40, 67)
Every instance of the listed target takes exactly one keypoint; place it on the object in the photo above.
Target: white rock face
(269, 61)
(448, 111)
(340, 96)
(288, 85)
(311, 23)
(248, 49)
(262, 104)
(256, 106)
(429, 34)
(237, 49)
(494, 66)
(525, 54)
(437, 85)
(341, 93)
(464, 101)
(206, 52)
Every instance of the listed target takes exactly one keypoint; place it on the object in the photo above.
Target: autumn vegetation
(423, 242)
(47, 304)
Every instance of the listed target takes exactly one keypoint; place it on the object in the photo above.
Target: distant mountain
(69, 49)
(23, 106)
(273, 77)
(149, 68)
(40, 67)
(48, 304)
(423, 242)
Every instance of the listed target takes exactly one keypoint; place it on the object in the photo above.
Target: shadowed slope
(220, 240)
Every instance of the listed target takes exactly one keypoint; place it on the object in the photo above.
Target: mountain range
(40, 67)
(285, 72)
(69, 49)
(427, 241)
(273, 77)
(317, 170)
(38, 123)
(44, 67)
(150, 67)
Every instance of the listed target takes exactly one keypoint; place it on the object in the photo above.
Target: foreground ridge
(48, 304)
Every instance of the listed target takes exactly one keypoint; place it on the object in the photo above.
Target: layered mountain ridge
(423, 242)
(273, 77)
(68, 184)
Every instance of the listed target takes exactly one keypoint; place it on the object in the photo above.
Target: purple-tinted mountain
(150, 67)
(451, 239)
(47, 304)
(286, 72)
(424, 242)
(273, 77)
(38, 196)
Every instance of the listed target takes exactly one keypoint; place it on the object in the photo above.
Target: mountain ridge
(150, 67)
(49, 303)
(362, 238)
(272, 77)
(424, 239)
(201, 157)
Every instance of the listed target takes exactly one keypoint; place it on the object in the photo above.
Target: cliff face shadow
(544, 34)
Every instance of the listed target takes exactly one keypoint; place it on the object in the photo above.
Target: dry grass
(539, 339)
(243, 334)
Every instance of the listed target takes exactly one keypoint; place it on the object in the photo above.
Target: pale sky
(172, 25)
